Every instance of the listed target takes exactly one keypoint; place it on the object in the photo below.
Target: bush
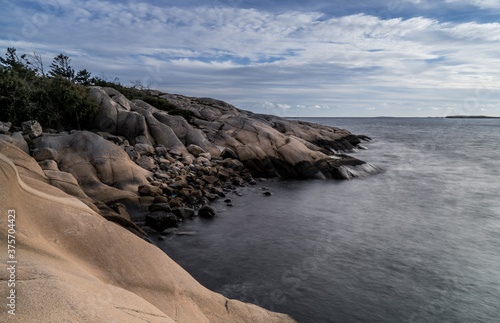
(55, 102)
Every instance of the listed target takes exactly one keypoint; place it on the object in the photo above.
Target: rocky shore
(148, 171)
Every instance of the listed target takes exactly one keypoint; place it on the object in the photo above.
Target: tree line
(57, 99)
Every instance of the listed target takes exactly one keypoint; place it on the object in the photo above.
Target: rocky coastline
(148, 170)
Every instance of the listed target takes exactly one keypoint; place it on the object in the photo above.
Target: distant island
(472, 117)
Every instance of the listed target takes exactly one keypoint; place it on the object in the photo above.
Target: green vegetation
(59, 98)
(55, 101)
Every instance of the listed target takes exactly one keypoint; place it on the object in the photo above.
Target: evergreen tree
(61, 67)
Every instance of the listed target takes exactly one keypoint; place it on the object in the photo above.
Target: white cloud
(300, 61)
(483, 4)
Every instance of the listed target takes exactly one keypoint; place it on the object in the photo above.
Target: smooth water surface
(419, 242)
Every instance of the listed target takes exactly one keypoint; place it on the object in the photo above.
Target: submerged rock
(206, 212)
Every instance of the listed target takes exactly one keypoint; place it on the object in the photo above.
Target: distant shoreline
(382, 117)
(472, 117)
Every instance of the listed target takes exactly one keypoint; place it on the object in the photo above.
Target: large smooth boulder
(77, 265)
(115, 115)
(103, 170)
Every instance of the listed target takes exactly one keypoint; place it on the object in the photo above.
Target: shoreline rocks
(89, 267)
(140, 156)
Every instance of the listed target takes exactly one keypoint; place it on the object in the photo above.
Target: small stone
(238, 181)
(267, 193)
(149, 190)
(132, 153)
(161, 151)
(160, 220)
(5, 127)
(145, 149)
(183, 212)
(160, 199)
(146, 162)
(228, 201)
(176, 186)
(229, 204)
(32, 128)
(210, 179)
(206, 212)
(195, 150)
(233, 164)
(208, 156)
(159, 207)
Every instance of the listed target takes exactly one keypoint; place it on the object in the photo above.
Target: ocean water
(418, 242)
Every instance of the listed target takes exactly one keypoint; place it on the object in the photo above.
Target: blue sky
(290, 58)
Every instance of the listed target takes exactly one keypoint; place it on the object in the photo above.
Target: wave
(349, 172)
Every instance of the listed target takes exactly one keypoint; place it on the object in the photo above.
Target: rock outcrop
(86, 198)
(103, 170)
(76, 266)
(267, 145)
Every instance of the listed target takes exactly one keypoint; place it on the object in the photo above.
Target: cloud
(297, 60)
(483, 4)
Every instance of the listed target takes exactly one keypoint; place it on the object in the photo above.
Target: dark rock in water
(170, 231)
(229, 204)
(228, 201)
(206, 212)
(364, 138)
(267, 193)
(159, 207)
(252, 182)
(186, 233)
(160, 220)
(183, 212)
(238, 181)
(228, 153)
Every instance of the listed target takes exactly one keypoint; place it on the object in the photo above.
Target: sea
(419, 241)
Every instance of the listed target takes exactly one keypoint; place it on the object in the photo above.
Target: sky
(324, 58)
